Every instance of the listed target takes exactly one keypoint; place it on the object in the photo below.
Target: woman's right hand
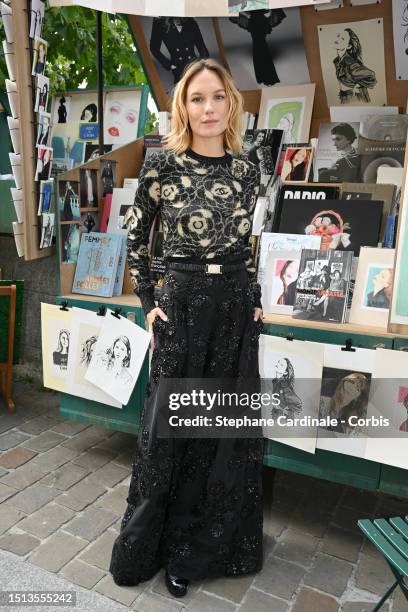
(150, 317)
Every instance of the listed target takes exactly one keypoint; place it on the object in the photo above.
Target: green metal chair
(390, 537)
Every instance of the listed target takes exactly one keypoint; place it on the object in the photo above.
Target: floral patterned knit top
(206, 206)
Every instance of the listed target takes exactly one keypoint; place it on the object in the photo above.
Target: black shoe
(176, 586)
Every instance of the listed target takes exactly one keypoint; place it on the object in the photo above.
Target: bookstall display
(330, 236)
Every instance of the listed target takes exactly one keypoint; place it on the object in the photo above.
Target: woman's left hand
(258, 312)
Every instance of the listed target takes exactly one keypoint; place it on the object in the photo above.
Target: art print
(85, 330)
(264, 48)
(88, 180)
(121, 117)
(378, 287)
(92, 151)
(263, 149)
(389, 400)
(118, 357)
(41, 93)
(70, 241)
(108, 176)
(36, 18)
(236, 6)
(68, 200)
(55, 338)
(292, 370)
(40, 49)
(345, 389)
(297, 164)
(288, 109)
(84, 107)
(69, 150)
(399, 308)
(47, 230)
(337, 159)
(90, 221)
(61, 108)
(44, 129)
(44, 163)
(400, 28)
(279, 287)
(353, 64)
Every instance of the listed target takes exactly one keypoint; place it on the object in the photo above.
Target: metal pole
(99, 78)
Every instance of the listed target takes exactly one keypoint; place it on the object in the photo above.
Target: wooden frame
(6, 368)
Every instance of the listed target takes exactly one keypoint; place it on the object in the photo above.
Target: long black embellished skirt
(195, 504)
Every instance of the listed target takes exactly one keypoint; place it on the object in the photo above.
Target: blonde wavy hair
(179, 139)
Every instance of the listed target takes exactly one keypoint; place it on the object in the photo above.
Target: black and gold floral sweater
(206, 206)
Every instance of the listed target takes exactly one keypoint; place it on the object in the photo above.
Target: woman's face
(291, 272)
(352, 388)
(207, 105)
(259, 138)
(281, 368)
(87, 115)
(119, 350)
(299, 157)
(342, 41)
(340, 142)
(64, 341)
(121, 120)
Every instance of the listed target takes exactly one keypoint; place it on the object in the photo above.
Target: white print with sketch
(118, 357)
(400, 26)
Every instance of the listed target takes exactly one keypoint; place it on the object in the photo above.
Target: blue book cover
(97, 264)
(120, 272)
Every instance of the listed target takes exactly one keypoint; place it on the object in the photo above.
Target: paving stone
(81, 573)
(65, 477)
(310, 519)
(256, 601)
(91, 523)
(274, 522)
(312, 601)
(18, 543)
(369, 549)
(110, 474)
(373, 574)
(56, 551)
(37, 425)
(81, 494)
(3, 472)
(6, 492)
(329, 574)
(8, 517)
(10, 421)
(125, 595)
(279, 577)
(32, 498)
(363, 606)
(233, 588)
(125, 459)
(99, 553)
(115, 500)
(45, 441)
(341, 543)
(286, 499)
(203, 602)
(16, 457)
(150, 602)
(54, 458)
(47, 520)
(23, 476)
(119, 442)
(83, 440)
(159, 586)
(11, 439)
(268, 544)
(360, 500)
(296, 547)
(347, 518)
(93, 458)
(70, 428)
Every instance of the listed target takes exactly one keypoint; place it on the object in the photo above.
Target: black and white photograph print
(43, 129)
(36, 18)
(108, 176)
(68, 200)
(44, 163)
(42, 87)
(175, 42)
(90, 221)
(353, 63)
(400, 27)
(92, 151)
(336, 159)
(88, 180)
(263, 148)
(40, 50)
(70, 241)
(47, 230)
(265, 47)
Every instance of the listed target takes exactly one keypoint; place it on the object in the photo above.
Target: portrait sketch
(55, 340)
(400, 27)
(353, 64)
(378, 287)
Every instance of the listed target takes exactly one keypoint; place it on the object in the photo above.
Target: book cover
(120, 270)
(271, 241)
(97, 263)
(263, 148)
(106, 212)
(382, 142)
(297, 164)
(336, 158)
(122, 200)
(157, 265)
(322, 285)
(152, 143)
(306, 191)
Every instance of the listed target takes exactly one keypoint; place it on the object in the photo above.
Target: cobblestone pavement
(63, 488)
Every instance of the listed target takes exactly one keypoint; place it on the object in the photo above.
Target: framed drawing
(288, 108)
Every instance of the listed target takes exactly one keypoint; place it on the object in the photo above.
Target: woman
(296, 165)
(380, 296)
(43, 131)
(195, 505)
(354, 78)
(90, 113)
(116, 359)
(107, 178)
(60, 356)
(41, 58)
(288, 276)
(284, 385)
(89, 222)
(347, 167)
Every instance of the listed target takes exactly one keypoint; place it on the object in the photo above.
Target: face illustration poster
(85, 329)
(389, 399)
(121, 117)
(55, 339)
(353, 64)
(288, 108)
(118, 357)
(293, 370)
(345, 388)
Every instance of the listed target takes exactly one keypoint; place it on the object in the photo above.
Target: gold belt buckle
(213, 268)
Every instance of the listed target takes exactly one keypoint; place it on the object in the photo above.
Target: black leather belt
(212, 268)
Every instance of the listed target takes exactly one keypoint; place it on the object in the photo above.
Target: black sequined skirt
(195, 504)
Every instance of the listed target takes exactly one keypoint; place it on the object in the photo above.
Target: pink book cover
(106, 213)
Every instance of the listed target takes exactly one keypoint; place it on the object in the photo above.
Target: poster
(42, 89)
(61, 106)
(121, 116)
(55, 339)
(118, 357)
(400, 28)
(292, 369)
(288, 109)
(85, 330)
(353, 64)
(47, 230)
(264, 48)
(36, 18)
(40, 49)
